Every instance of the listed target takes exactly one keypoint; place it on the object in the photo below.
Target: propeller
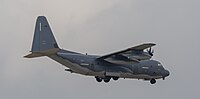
(150, 51)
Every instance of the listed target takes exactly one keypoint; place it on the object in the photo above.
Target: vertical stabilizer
(44, 42)
(43, 36)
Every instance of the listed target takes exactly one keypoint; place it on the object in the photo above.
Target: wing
(138, 48)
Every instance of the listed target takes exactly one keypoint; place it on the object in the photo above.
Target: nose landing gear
(152, 81)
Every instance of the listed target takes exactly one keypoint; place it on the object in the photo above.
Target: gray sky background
(100, 27)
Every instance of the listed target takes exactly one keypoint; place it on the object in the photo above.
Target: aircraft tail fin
(44, 42)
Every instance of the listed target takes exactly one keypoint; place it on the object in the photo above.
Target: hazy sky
(100, 27)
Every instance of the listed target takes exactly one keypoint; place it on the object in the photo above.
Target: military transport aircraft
(134, 62)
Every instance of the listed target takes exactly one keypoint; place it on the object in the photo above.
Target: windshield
(159, 64)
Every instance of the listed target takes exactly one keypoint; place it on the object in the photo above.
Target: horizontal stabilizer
(42, 53)
(33, 55)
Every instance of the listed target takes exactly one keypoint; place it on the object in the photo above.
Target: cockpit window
(159, 64)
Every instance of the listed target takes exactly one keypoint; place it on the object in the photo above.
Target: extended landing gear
(115, 78)
(152, 81)
(98, 79)
(105, 79)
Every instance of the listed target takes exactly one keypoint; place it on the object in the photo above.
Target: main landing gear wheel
(115, 78)
(98, 79)
(107, 79)
(152, 81)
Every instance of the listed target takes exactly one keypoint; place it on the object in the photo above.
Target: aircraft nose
(166, 73)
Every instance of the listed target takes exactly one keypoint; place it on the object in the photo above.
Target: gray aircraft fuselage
(131, 63)
(90, 65)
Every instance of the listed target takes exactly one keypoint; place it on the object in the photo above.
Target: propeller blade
(150, 51)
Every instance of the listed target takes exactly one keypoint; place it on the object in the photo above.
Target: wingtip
(153, 44)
